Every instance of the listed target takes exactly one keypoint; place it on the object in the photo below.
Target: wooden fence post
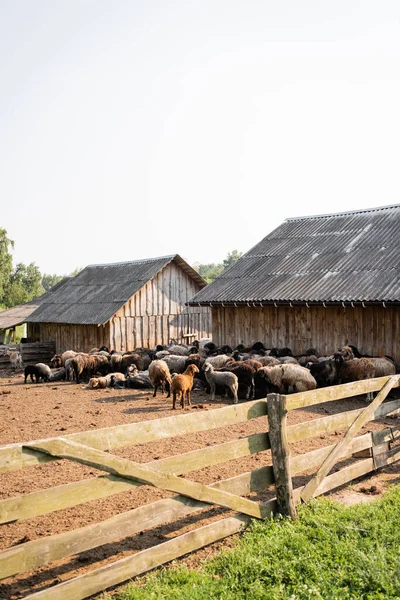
(280, 454)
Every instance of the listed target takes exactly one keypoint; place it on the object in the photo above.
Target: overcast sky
(133, 129)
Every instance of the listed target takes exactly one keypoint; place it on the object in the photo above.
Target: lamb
(182, 385)
(15, 358)
(66, 355)
(226, 380)
(159, 375)
(245, 374)
(286, 378)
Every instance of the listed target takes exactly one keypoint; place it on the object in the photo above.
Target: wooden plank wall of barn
(375, 330)
(80, 338)
(157, 313)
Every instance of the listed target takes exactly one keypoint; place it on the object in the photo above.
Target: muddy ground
(35, 411)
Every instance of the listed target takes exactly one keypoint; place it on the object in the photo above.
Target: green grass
(329, 553)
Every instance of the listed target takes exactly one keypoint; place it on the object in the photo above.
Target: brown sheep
(182, 384)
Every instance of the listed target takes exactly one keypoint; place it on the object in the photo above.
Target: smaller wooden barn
(123, 306)
(318, 281)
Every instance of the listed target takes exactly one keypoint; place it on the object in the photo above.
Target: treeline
(212, 270)
(21, 283)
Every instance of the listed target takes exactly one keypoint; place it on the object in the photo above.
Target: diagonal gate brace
(311, 488)
(63, 448)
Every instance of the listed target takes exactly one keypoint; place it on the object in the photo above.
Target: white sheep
(105, 382)
(221, 378)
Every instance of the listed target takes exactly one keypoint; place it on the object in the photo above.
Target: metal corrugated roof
(94, 295)
(344, 257)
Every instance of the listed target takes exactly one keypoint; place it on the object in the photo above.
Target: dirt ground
(35, 411)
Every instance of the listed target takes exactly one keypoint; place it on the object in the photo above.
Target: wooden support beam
(86, 455)
(280, 454)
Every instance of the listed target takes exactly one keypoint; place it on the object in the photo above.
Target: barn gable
(123, 305)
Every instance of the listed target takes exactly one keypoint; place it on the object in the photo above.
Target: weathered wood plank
(71, 494)
(335, 392)
(341, 448)
(13, 456)
(23, 557)
(280, 454)
(96, 458)
(325, 425)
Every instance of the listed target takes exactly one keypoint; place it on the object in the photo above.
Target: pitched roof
(11, 317)
(94, 295)
(344, 257)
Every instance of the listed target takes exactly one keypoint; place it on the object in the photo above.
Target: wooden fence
(95, 448)
(31, 353)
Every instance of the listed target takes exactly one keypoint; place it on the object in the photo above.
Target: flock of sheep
(240, 373)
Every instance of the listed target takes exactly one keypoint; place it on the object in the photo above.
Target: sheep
(324, 372)
(105, 382)
(288, 360)
(159, 375)
(69, 371)
(383, 364)
(286, 378)
(178, 349)
(182, 385)
(15, 358)
(245, 374)
(66, 355)
(280, 352)
(40, 371)
(162, 353)
(138, 380)
(58, 374)
(353, 369)
(56, 362)
(218, 361)
(176, 364)
(268, 361)
(86, 366)
(225, 379)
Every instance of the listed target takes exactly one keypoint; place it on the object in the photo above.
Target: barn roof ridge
(344, 213)
(168, 257)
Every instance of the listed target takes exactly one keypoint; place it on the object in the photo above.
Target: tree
(25, 283)
(231, 258)
(49, 281)
(6, 265)
(212, 270)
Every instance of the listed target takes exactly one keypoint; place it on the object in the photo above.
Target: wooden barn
(317, 281)
(123, 306)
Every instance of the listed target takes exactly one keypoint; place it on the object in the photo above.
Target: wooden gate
(377, 444)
